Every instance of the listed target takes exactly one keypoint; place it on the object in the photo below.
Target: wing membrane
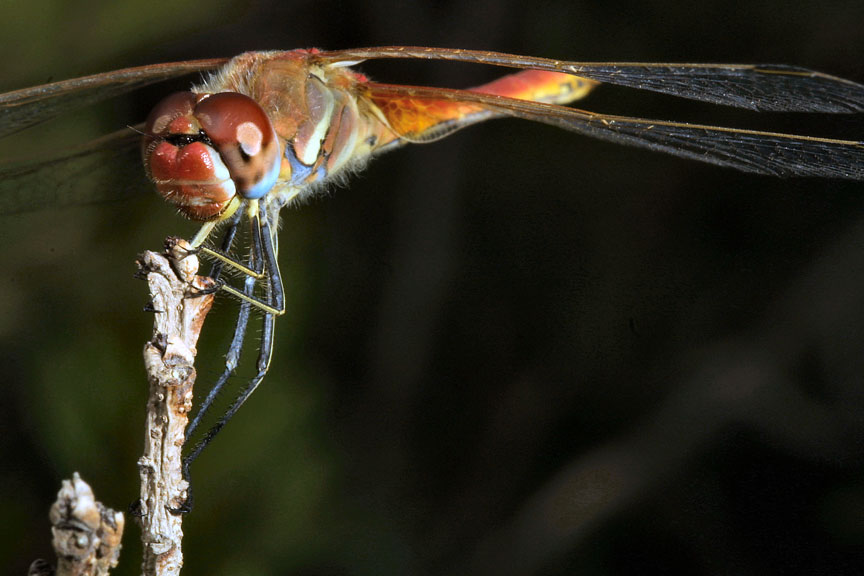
(24, 108)
(763, 87)
(103, 170)
(753, 151)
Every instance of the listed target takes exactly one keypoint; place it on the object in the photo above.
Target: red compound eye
(203, 150)
(161, 120)
(242, 133)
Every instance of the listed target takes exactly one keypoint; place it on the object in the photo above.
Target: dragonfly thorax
(323, 119)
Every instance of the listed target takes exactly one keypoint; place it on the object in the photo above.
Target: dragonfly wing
(21, 109)
(747, 150)
(764, 87)
(104, 170)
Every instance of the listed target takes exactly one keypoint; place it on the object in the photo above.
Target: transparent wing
(759, 152)
(23, 108)
(764, 87)
(106, 169)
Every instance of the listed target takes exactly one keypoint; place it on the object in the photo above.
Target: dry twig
(86, 534)
(168, 358)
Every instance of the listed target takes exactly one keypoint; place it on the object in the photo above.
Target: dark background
(514, 351)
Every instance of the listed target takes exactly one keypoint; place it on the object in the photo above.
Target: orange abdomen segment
(423, 118)
(549, 87)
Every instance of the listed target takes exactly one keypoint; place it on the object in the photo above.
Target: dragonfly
(266, 129)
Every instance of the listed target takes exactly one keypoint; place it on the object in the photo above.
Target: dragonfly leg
(264, 356)
(233, 355)
(262, 265)
(225, 247)
(232, 358)
(263, 251)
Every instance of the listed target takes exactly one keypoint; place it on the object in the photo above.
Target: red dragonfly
(266, 128)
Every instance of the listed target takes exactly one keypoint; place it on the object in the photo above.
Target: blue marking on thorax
(300, 172)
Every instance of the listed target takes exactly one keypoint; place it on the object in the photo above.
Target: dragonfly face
(204, 151)
(319, 118)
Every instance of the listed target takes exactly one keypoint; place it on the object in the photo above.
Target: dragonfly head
(204, 150)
